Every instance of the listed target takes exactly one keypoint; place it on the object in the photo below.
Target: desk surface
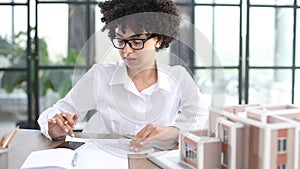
(26, 141)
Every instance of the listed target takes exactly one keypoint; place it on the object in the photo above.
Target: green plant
(16, 53)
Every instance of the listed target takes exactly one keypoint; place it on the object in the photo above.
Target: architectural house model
(198, 150)
(245, 137)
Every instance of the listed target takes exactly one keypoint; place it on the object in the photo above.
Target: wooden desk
(26, 141)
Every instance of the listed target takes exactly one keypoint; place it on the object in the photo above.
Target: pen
(66, 122)
(130, 136)
(2, 140)
(10, 137)
(74, 160)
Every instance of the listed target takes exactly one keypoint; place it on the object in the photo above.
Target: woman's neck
(143, 78)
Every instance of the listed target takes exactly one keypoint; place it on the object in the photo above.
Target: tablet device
(70, 145)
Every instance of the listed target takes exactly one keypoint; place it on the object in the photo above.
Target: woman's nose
(127, 48)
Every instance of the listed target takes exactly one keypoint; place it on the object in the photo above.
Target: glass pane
(54, 84)
(218, 1)
(271, 36)
(203, 79)
(297, 88)
(298, 39)
(232, 86)
(204, 25)
(13, 36)
(62, 42)
(270, 86)
(225, 26)
(13, 98)
(14, 1)
(65, 0)
(272, 2)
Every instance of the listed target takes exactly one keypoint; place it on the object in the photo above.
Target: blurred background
(257, 43)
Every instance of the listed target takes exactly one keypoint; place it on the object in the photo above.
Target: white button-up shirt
(108, 89)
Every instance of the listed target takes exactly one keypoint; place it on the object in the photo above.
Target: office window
(282, 145)
(218, 24)
(262, 67)
(14, 69)
(268, 48)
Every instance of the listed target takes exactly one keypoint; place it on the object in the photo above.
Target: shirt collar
(164, 77)
(120, 76)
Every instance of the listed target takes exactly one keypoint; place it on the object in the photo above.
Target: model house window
(282, 145)
(282, 166)
(224, 159)
(190, 152)
(225, 135)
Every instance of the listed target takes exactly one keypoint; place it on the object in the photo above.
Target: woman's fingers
(62, 124)
(153, 132)
(70, 119)
(146, 135)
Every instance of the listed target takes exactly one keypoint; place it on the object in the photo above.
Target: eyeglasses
(136, 44)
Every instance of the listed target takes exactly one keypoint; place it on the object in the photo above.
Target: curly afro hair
(160, 17)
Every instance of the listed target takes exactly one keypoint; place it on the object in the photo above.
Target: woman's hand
(62, 124)
(153, 132)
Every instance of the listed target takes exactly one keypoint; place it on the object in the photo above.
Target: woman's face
(137, 59)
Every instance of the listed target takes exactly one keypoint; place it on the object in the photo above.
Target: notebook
(99, 153)
(59, 158)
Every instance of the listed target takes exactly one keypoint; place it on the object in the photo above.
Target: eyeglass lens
(136, 44)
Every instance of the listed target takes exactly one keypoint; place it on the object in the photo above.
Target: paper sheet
(119, 147)
(74, 139)
(97, 158)
(162, 145)
(105, 153)
(52, 158)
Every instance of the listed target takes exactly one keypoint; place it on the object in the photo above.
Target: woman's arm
(79, 100)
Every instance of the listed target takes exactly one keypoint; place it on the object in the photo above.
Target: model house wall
(199, 151)
(256, 136)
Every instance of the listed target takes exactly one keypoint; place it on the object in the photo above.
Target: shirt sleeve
(193, 114)
(79, 99)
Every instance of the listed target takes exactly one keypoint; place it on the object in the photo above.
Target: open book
(59, 158)
(91, 155)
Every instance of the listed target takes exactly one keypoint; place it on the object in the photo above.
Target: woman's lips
(129, 59)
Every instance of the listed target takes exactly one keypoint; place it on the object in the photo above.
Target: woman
(137, 96)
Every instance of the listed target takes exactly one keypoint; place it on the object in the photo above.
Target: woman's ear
(158, 43)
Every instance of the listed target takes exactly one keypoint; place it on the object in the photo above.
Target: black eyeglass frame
(127, 41)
